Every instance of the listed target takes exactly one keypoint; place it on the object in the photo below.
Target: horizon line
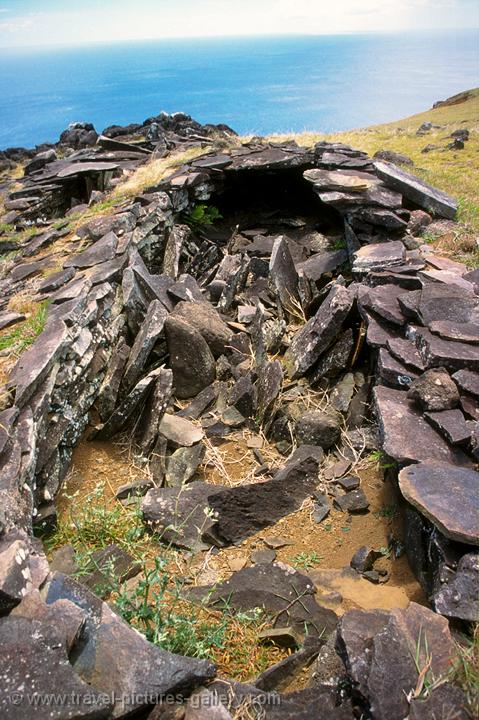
(229, 36)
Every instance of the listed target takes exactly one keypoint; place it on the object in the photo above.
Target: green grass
(25, 334)
(305, 560)
(465, 672)
(153, 603)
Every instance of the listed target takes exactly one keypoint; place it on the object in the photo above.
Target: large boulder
(191, 359)
(206, 320)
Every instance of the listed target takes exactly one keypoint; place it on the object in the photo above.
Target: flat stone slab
(451, 424)
(407, 436)
(378, 256)
(467, 380)
(447, 496)
(34, 664)
(326, 262)
(416, 190)
(33, 366)
(337, 180)
(319, 332)
(463, 332)
(10, 318)
(437, 352)
(279, 589)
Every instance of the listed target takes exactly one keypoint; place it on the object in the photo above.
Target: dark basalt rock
(280, 590)
(443, 703)
(390, 156)
(181, 515)
(244, 510)
(182, 464)
(463, 332)
(318, 428)
(128, 406)
(447, 496)
(283, 275)
(206, 320)
(380, 648)
(34, 662)
(145, 341)
(437, 352)
(268, 388)
(451, 424)
(10, 318)
(191, 359)
(416, 190)
(438, 302)
(383, 301)
(109, 566)
(434, 390)
(33, 367)
(353, 501)
(364, 559)
(101, 251)
(319, 332)
(406, 352)
(458, 597)
(378, 256)
(468, 381)
(406, 435)
(116, 659)
(392, 372)
(335, 360)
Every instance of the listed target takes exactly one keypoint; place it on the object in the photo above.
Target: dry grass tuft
(155, 171)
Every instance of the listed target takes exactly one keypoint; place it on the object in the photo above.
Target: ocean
(257, 85)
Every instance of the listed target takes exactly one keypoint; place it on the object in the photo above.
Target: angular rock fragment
(34, 664)
(416, 190)
(283, 275)
(468, 381)
(406, 352)
(353, 501)
(268, 388)
(451, 424)
(318, 265)
(437, 352)
(319, 332)
(458, 597)
(181, 515)
(445, 495)
(434, 390)
(108, 393)
(443, 702)
(180, 431)
(150, 331)
(128, 406)
(379, 256)
(33, 367)
(335, 360)
(449, 330)
(182, 464)
(100, 252)
(318, 428)
(191, 359)
(392, 372)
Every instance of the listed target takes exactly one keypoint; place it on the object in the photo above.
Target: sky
(57, 22)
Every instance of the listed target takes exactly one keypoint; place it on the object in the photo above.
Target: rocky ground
(235, 378)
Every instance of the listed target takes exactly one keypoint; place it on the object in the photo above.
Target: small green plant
(202, 216)
(381, 460)
(305, 560)
(385, 551)
(21, 337)
(339, 244)
(387, 511)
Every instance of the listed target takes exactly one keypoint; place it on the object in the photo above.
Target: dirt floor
(321, 550)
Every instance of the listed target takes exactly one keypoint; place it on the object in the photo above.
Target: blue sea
(257, 85)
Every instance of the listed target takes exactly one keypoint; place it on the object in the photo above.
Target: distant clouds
(49, 22)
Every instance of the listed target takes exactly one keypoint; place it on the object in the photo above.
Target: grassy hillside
(456, 172)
